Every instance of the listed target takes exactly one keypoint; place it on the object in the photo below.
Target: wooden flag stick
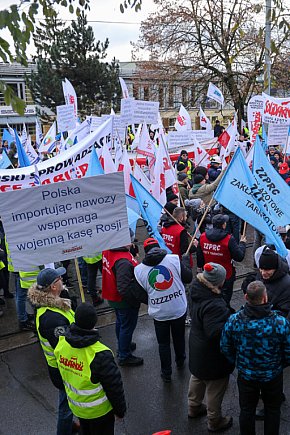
(244, 229)
(80, 280)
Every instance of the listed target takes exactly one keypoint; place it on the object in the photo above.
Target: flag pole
(80, 280)
(244, 229)
(199, 225)
(175, 220)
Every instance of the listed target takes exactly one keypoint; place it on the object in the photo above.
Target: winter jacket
(182, 190)
(184, 242)
(124, 273)
(213, 172)
(209, 313)
(237, 251)
(51, 324)
(204, 191)
(154, 257)
(278, 287)
(103, 367)
(257, 340)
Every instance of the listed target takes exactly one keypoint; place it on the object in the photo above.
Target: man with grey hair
(257, 340)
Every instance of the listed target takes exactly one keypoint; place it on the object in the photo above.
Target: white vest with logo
(166, 292)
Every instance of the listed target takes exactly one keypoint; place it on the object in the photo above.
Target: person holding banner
(53, 316)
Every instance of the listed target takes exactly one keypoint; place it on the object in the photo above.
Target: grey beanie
(214, 273)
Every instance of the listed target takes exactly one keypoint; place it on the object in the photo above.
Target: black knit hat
(171, 196)
(198, 178)
(182, 176)
(200, 170)
(268, 259)
(86, 316)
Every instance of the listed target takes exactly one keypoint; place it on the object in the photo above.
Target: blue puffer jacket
(257, 340)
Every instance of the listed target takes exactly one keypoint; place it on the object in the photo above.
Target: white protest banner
(66, 120)
(277, 134)
(276, 110)
(67, 220)
(178, 139)
(138, 111)
(202, 135)
(254, 113)
(58, 168)
(96, 121)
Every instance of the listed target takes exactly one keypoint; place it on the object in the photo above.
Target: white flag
(146, 146)
(135, 142)
(48, 143)
(142, 178)
(183, 121)
(38, 133)
(124, 88)
(214, 93)
(24, 135)
(204, 121)
(108, 163)
(201, 157)
(70, 95)
(31, 153)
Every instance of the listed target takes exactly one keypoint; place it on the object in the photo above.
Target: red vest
(171, 237)
(217, 252)
(109, 284)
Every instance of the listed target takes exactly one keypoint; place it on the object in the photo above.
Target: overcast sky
(119, 28)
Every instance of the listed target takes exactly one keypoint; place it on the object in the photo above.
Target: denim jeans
(125, 325)
(65, 416)
(20, 300)
(249, 392)
(177, 329)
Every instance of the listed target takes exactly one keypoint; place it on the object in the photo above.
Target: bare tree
(208, 40)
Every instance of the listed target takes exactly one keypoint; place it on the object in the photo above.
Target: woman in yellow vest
(90, 375)
(53, 317)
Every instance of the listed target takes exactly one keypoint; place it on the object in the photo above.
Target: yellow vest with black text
(28, 278)
(86, 400)
(9, 261)
(94, 258)
(46, 347)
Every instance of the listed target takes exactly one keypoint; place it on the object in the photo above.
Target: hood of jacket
(282, 270)
(195, 187)
(78, 337)
(40, 298)
(202, 290)
(257, 311)
(215, 234)
(154, 256)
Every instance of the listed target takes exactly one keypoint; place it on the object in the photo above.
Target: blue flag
(271, 189)
(150, 210)
(133, 211)
(4, 160)
(237, 191)
(23, 159)
(7, 136)
(95, 167)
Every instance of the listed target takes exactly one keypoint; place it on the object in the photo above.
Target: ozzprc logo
(160, 278)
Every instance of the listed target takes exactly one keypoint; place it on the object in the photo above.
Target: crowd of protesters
(255, 340)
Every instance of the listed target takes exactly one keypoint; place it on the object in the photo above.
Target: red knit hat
(150, 243)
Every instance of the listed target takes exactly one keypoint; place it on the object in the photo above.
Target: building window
(161, 96)
(171, 96)
(146, 93)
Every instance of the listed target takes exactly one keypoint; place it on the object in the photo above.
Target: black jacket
(103, 367)
(154, 257)
(209, 313)
(124, 273)
(278, 287)
(237, 251)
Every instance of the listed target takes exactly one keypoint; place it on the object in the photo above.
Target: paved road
(28, 399)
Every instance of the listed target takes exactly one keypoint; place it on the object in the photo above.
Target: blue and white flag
(95, 167)
(4, 160)
(36, 176)
(238, 192)
(271, 189)
(133, 212)
(150, 210)
(23, 159)
(7, 136)
(214, 93)
(264, 138)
